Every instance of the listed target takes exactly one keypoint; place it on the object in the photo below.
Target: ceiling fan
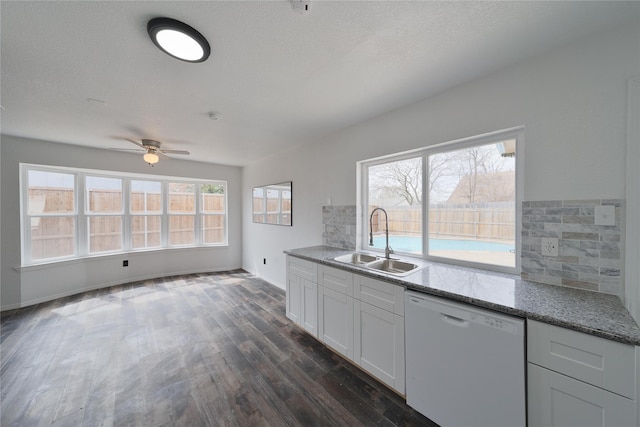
(151, 149)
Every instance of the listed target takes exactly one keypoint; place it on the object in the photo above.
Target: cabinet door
(379, 344)
(556, 400)
(335, 320)
(309, 304)
(294, 298)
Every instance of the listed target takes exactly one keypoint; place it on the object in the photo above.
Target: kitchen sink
(392, 266)
(356, 258)
(383, 265)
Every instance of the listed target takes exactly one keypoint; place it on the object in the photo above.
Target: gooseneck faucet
(387, 249)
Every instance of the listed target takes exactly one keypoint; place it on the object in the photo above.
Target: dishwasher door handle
(455, 321)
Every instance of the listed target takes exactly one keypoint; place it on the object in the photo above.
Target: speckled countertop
(594, 313)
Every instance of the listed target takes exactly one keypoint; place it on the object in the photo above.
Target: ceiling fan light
(178, 39)
(151, 158)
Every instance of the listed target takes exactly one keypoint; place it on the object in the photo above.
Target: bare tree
(399, 179)
(480, 172)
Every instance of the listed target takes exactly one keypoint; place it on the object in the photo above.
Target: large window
(70, 213)
(454, 202)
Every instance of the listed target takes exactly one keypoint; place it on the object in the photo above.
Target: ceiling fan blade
(174, 151)
(135, 142)
(137, 150)
(162, 156)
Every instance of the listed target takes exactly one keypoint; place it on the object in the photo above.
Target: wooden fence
(54, 236)
(485, 221)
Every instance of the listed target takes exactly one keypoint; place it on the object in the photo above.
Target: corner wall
(25, 286)
(572, 102)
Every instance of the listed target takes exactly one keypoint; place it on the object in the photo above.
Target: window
(145, 205)
(465, 191)
(49, 229)
(71, 213)
(182, 213)
(104, 213)
(213, 217)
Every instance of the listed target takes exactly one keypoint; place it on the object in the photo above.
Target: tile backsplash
(339, 226)
(589, 256)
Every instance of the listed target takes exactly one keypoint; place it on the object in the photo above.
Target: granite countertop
(593, 313)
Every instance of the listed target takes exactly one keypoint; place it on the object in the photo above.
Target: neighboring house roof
(489, 187)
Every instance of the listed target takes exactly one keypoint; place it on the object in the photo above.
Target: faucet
(387, 249)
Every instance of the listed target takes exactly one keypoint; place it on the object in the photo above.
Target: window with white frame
(455, 202)
(49, 203)
(213, 213)
(104, 212)
(145, 209)
(72, 213)
(182, 213)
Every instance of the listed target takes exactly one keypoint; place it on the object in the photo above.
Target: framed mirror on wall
(272, 204)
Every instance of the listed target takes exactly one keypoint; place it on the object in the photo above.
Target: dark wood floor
(206, 349)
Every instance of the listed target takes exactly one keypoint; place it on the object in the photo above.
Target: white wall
(572, 102)
(20, 287)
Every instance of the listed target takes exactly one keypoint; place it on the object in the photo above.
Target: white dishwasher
(465, 366)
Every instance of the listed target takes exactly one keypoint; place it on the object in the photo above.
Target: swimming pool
(414, 244)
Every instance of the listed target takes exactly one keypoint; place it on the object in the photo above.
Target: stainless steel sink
(393, 266)
(357, 258)
(383, 265)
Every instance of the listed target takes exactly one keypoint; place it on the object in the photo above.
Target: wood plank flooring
(196, 350)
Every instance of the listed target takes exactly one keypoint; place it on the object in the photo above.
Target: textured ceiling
(276, 78)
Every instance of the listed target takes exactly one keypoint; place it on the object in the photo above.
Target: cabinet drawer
(336, 279)
(379, 294)
(302, 268)
(594, 360)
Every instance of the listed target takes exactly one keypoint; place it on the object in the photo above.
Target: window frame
(25, 216)
(516, 133)
(202, 213)
(82, 215)
(146, 214)
(88, 214)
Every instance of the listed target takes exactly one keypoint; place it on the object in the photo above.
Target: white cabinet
(335, 309)
(575, 379)
(379, 330)
(335, 320)
(363, 319)
(379, 344)
(302, 294)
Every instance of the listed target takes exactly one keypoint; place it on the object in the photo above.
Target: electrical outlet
(125, 263)
(549, 246)
(605, 215)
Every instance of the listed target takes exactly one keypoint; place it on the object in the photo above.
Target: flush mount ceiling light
(179, 40)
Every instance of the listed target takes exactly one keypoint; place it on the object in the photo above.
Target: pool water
(414, 244)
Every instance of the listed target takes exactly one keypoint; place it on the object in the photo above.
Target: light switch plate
(605, 215)
(549, 246)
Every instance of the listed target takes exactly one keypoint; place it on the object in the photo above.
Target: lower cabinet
(379, 344)
(559, 400)
(335, 320)
(302, 294)
(580, 380)
(363, 320)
